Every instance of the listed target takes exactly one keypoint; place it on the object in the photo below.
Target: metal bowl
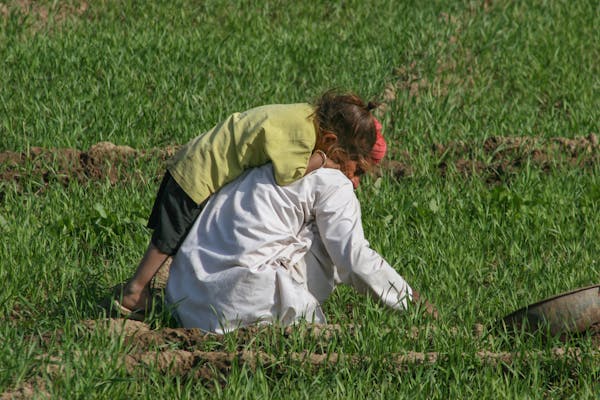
(567, 313)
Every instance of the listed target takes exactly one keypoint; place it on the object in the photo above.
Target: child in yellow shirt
(339, 131)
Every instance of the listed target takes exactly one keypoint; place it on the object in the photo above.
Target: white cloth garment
(260, 253)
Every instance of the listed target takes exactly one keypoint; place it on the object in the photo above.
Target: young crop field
(488, 199)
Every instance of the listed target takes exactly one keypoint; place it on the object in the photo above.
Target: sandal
(136, 315)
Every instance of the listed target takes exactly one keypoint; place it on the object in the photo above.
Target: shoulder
(327, 182)
(294, 108)
(299, 113)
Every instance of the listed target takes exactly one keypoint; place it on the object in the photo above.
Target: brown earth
(495, 159)
(103, 161)
(182, 352)
(502, 156)
(42, 15)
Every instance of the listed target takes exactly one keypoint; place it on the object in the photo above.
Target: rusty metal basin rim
(569, 312)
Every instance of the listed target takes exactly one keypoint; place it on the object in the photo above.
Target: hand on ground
(428, 307)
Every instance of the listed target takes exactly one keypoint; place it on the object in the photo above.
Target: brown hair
(349, 117)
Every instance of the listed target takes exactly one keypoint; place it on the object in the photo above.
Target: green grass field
(155, 74)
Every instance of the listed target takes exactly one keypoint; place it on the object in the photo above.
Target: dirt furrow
(204, 364)
(215, 366)
(493, 159)
(181, 352)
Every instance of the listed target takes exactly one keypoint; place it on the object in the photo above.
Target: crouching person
(264, 253)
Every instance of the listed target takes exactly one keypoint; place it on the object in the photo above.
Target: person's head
(348, 132)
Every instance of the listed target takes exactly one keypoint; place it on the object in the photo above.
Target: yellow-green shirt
(283, 134)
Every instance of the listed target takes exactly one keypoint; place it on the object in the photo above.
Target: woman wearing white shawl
(263, 253)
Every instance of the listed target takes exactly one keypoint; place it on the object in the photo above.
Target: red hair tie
(380, 147)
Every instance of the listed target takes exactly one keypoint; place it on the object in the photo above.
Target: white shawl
(261, 253)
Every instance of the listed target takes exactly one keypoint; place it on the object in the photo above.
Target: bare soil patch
(493, 160)
(103, 161)
(500, 157)
(33, 389)
(38, 14)
(181, 352)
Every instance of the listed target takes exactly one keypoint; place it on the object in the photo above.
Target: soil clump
(192, 353)
(500, 157)
(495, 159)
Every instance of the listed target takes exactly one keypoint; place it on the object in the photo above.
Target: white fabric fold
(261, 253)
